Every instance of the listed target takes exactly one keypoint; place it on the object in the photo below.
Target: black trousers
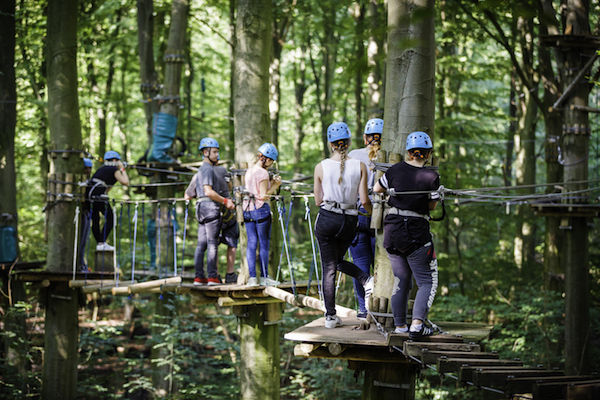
(101, 207)
(335, 232)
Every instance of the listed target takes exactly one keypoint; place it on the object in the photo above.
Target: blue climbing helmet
(374, 125)
(87, 163)
(109, 155)
(269, 150)
(338, 131)
(208, 142)
(418, 140)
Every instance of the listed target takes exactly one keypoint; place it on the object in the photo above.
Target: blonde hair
(341, 146)
(373, 150)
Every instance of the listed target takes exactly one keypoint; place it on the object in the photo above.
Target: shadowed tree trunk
(300, 87)
(575, 150)
(61, 324)
(360, 64)
(15, 348)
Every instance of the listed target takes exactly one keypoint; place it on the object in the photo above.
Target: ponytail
(373, 150)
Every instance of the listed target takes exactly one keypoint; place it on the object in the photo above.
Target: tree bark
(360, 64)
(251, 77)
(375, 59)
(148, 75)
(575, 149)
(409, 99)
(300, 87)
(61, 324)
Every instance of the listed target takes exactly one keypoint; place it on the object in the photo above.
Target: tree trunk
(553, 122)
(300, 86)
(231, 125)
(259, 346)
(575, 149)
(148, 75)
(409, 106)
(360, 68)
(409, 102)
(61, 324)
(251, 77)
(162, 374)
(14, 349)
(375, 59)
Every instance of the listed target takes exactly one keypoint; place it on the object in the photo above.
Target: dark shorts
(230, 233)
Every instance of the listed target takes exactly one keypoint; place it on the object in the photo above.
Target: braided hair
(342, 147)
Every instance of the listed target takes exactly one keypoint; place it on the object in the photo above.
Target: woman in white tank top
(339, 182)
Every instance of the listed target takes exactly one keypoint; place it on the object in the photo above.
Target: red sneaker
(200, 281)
(214, 281)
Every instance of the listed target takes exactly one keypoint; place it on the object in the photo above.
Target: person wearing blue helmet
(96, 198)
(257, 212)
(208, 188)
(407, 237)
(363, 246)
(338, 182)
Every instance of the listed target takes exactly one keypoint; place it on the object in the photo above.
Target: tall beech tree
(61, 323)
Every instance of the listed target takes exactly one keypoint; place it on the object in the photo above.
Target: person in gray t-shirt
(204, 186)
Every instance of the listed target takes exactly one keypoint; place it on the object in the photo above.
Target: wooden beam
(304, 349)
(454, 364)
(230, 302)
(92, 282)
(431, 357)
(140, 287)
(467, 372)
(500, 378)
(306, 301)
(415, 349)
(373, 355)
(551, 386)
(572, 85)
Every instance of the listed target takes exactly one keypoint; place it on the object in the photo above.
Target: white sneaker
(103, 246)
(252, 281)
(269, 282)
(368, 286)
(332, 321)
(401, 330)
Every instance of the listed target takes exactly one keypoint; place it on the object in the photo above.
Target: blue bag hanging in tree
(8, 244)
(164, 127)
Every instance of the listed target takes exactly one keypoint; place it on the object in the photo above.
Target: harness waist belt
(203, 199)
(404, 213)
(340, 208)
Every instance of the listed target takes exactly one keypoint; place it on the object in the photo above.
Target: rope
(144, 239)
(187, 203)
(314, 251)
(285, 246)
(135, 220)
(116, 267)
(76, 222)
(174, 240)
(157, 243)
(285, 233)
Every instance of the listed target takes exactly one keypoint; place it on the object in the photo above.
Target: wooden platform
(44, 275)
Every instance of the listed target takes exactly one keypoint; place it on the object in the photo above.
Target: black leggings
(101, 207)
(335, 233)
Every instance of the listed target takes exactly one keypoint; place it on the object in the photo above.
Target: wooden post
(259, 350)
(385, 381)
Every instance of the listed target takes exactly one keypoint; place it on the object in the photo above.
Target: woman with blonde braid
(339, 181)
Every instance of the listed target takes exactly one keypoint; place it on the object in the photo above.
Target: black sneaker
(231, 277)
(362, 315)
(424, 331)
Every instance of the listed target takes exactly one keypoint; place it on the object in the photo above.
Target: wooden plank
(371, 355)
(398, 339)
(454, 364)
(229, 302)
(431, 357)
(553, 387)
(500, 378)
(470, 331)
(415, 349)
(587, 391)
(348, 333)
(466, 373)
